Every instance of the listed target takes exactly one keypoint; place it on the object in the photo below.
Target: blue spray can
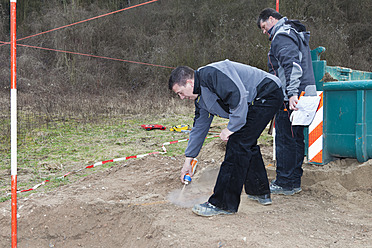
(187, 177)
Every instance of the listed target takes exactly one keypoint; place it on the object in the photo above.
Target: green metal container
(346, 119)
(319, 67)
(347, 126)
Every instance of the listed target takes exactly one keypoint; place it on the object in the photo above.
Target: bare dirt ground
(138, 203)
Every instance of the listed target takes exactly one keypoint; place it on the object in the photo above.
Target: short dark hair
(180, 75)
(265, 14)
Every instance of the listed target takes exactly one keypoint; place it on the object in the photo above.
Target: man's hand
(293, 102)
(225, 133)
(187, 168)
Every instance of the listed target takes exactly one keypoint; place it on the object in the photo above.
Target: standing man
(249, 98)
(289, 58)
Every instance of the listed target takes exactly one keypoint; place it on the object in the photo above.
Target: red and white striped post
(13, 118)
(277, 5)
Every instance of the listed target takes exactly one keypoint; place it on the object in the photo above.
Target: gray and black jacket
(289, 57)
(225, 89)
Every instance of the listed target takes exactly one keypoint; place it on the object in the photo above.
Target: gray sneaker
(279, 190)
(206, 209)
(297, 190)
(262, 199)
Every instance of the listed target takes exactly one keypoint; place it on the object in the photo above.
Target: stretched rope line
(93, 18)
(82, 54)
(109, 161)
(94, 56)
(114, 160)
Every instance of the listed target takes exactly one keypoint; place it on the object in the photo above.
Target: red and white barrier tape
(110, 161)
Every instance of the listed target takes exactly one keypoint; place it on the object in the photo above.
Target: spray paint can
(187, 177)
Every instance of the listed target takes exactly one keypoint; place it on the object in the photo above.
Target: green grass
(47, 152)
(50, 151)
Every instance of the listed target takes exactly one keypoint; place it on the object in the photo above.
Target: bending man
(249, 98)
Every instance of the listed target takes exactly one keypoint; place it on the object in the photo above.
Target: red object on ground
(151, 127)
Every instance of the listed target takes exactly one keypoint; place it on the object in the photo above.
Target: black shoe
(279, 190)
(206, 209)
(262, 199)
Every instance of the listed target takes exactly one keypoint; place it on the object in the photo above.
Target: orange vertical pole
(277, 5)
(13, 117)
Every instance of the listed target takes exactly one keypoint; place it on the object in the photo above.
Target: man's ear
(191, 82)
(273, 20)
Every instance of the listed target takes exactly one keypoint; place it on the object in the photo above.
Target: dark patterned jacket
(226, 89)
(289, 57)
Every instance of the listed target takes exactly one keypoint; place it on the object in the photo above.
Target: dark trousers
(243, 164)
(290, 150)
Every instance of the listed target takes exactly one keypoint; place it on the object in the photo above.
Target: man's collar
(275, 28)
(196, 83)
(271, 29)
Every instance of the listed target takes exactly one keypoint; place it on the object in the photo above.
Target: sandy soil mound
(141, 203)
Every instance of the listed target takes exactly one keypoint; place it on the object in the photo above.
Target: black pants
(290, 150)
(243, 164)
